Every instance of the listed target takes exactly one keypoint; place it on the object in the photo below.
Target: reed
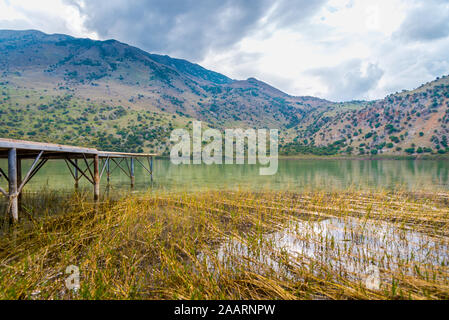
(231, 245)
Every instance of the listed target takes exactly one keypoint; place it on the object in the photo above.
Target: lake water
(293, 175)
(302, 240)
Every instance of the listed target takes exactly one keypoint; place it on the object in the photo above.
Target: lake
(293, 175)
(349, 239)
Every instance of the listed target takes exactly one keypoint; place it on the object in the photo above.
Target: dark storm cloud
(188, 28)
(429, 20)
(347, 81)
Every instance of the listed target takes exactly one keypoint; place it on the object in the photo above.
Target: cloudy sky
(334, 49)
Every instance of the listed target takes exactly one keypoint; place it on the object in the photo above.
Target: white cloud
(341, 41)
(335, 49)
(349, 80)
(50, 16)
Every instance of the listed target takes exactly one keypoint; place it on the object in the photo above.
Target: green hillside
(109, 95)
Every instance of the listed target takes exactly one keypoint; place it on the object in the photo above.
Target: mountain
(114, 96)
(411, 122)
(144, 80)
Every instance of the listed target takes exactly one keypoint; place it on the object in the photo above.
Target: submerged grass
(231, 245)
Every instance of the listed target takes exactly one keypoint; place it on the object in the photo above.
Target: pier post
(12, 175)
(19, 182)
(96, 177)
(108, 171)
(151, 168)
(132, 172)
(76, 174)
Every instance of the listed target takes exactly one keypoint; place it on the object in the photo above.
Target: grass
(59, 115)
(231, 245)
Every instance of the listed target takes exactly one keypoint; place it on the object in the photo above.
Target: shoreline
(360, 158)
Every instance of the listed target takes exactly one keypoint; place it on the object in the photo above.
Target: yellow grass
(231, 245)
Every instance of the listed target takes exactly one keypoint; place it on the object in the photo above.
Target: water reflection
(293, 175)
(348, 246)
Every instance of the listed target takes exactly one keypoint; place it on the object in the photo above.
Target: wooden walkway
(94, 160)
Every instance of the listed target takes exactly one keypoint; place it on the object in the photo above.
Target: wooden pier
(96, 163)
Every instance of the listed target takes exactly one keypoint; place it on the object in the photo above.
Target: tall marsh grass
(231, 245)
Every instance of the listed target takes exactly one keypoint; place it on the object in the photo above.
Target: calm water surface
(293, 175)
(378, 239)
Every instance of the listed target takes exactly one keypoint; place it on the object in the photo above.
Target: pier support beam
(96, 177)
(132, 173)
(76, 175)
(12, 175)
(19, 182)
(151, 168)
(108, 171)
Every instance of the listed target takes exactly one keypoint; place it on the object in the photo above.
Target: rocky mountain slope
(145, 80)
(411, 122)
(113, 96)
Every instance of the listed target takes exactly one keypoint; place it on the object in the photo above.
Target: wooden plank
(31, 145)
(59, 151)
(107, 154)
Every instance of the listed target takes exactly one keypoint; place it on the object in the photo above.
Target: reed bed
(231, 245)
